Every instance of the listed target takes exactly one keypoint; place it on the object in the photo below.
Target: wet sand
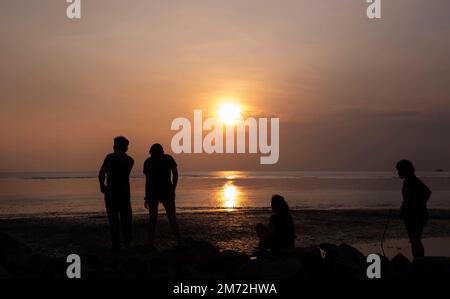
(61, 235)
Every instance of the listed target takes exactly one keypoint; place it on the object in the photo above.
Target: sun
(229, 113)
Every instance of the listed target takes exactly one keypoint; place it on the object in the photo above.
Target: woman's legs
(153, 211)
(415, 238)
(171, 214)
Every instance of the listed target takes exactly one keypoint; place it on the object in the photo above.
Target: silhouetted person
(280, 233)
(160, 188)
(414, 210)
(116, 168)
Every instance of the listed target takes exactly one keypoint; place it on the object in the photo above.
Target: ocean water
(74, 193)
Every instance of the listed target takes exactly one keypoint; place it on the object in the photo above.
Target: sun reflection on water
(229, 196)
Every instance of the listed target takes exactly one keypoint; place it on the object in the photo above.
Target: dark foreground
(201, 261)
(218, 246)
(60, 236)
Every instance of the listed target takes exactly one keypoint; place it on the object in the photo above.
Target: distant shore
(57, 235)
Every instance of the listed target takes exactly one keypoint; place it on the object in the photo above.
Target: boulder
(163, 271)
(399, 267)
(93, 261)
(228, 261)
(385, 267)
(345, 269)
(13, 253)
(251, 269)
(199, 254)
(331, 253)
(310, 258)
(281, 268)
(103, 274)
(4, 274)
(133, 268)
(431, 268)
(348, 252)
(42, 267)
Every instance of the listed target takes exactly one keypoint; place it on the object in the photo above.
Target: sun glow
(229, 113)
(230, 195)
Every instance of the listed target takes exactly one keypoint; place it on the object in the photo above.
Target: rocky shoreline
(198, 259)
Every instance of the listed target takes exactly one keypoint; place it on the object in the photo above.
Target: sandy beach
(61, 235)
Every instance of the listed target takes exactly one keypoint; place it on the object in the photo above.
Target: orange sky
(350, 93)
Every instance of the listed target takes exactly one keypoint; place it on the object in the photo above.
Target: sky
(351, 93)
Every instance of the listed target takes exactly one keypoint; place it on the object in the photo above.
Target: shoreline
(202, 210)
(58, 235)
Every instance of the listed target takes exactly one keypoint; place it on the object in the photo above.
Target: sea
(69, 193)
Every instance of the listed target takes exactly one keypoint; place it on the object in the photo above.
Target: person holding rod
(414, 210)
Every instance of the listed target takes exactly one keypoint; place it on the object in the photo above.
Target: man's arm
(175, 177)
(147, 187)
(131, 165)
(102, 177)
(426, 192)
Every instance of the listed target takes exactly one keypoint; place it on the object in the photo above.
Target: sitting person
(280, 233)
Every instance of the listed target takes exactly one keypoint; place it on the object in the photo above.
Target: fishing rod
(385, 230)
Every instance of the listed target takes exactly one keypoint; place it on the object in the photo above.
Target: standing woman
(414, 210)
(161, 181)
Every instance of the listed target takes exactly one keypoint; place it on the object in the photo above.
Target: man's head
(156, 150)
(405, 168)
(121, 144)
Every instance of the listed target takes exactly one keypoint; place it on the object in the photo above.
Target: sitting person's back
(280, 234)
(283, 236)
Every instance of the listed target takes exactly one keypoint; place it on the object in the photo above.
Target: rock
(133, 268)
(331, 252)
(346, 269)
(107, 258)
(104, 274)
(385, 267)
(284, 267)
(348, 252)
(163, 272)
(251, 269)
(431, 268)
(4, 274)
(343, 262)
(93, 261)
(42, 267)
(199, 254)
(281, 268)
(399, 267)
(186, 271)
(310, 258)
(229, 261)
(13, 253)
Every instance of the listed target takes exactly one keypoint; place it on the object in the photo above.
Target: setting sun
(229, 113)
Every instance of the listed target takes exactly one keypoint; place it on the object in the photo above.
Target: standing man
(161, 175)
(414, 210)
(116, 169)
